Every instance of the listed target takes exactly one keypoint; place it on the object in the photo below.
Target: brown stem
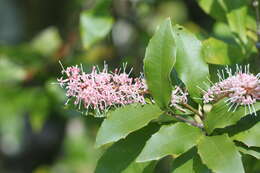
(193, 123)
(192, 109)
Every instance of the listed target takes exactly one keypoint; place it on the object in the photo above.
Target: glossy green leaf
(218, 52)
(120, 157)
(236, 13)
(167, 141)
(158, 63)
(243, 124)
(219, 153)
(190, 66)
(146, 167)
(94, 27)
(189, 162)
(199, 166)
(250, 137)
(184, 163)
(248, 151)
(220, 117)
(125, 120)
(213, 8)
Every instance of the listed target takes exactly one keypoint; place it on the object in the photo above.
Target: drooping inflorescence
(242, 88)
(101, 89)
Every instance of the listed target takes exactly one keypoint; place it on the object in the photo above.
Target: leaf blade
(220, 154)
(213, 8)
(114, 127)
(94, 27)
(159, 60)
(218, 52)
(236, 14)
(190, 65)
(249, 137)
(120, 157)
(162, 144)
(249, 152)
(219, 116)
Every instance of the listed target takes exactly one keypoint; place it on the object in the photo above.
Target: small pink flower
(100, 90)
(241, 88)
(178, 97)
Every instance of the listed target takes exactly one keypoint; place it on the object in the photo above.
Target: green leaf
(232, 12)
(190, 66)
(222, 31)
(220, 154)
(243, 124)
(125, 120)
(167, 141)
(158, 63)
(10, 72)
(184, 163)
(218, 52)
(94, 27)
(250, 137)
(198, 166)
(248, 151)
(120, 157)
(149, 168)
(23, 55)
(220, 117)
(146, 167)
(47, 42)
(39, 109)
(236, 13)
(213, 8)
(189, 162)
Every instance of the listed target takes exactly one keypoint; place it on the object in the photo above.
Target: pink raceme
(242, 89)
(100, 90)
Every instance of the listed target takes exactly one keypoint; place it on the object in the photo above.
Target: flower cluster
(100, 90)
(178, 96)
(241, 88)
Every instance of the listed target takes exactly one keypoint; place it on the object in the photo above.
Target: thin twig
(193, 123)
(192, 109)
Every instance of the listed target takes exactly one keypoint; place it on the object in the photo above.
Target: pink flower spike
(100, 90)
(242, 89)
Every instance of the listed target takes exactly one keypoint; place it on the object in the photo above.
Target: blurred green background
(37, 133)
